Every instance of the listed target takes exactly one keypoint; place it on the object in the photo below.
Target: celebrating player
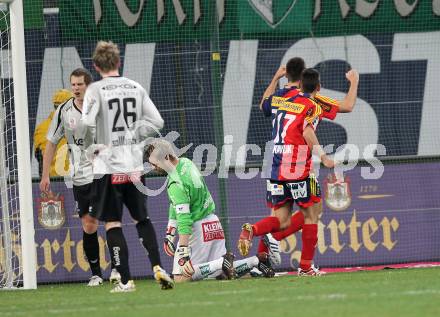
(290, 182)
(112, 106)
(67, 122)
(330, 108)
(200, 251)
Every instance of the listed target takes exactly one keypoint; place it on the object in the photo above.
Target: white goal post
(26, 218)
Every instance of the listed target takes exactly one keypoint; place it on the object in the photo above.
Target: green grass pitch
(405, 292)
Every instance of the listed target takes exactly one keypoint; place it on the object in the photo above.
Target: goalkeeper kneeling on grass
(200, 252)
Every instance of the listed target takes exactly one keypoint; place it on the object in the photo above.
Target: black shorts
(83, 198)
(304, 193)
(111, 198)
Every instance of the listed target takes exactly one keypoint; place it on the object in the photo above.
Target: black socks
(91, 250)
(147, 237)
(119, 252)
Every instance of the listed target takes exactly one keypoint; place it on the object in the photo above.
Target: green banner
(32, 15)
(368, 18)
(143, 20)
(181, 20)
(281, 16)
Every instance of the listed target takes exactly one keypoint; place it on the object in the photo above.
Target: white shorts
(207, 242)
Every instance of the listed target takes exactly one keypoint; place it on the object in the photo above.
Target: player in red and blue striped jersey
(330, 108)
(294, 123)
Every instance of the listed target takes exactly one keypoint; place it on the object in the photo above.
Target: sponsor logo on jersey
(182, 209)
(212, 230)
(122, 140)
(282, 104)
(298, 190)
(123, 86)
(72, 123)
(207, 202)
(51, 214)
(121, 178)
(337, 192)
(275, 189)
(78, 142)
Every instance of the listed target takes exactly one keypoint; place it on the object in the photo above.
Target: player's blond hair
(106, 56)
(160, 148)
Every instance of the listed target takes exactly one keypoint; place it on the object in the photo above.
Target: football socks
(147, 236)
(309, 240)
(91, 250)
(119, 252)
(266, 225)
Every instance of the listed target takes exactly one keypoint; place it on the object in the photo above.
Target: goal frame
(18, 61)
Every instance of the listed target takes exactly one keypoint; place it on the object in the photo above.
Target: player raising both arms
(112, 106)
(330, 108)
(290, 182)
(201, 251)
(67, 122)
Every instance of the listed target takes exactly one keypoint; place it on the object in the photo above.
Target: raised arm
(270, 90)
(349, 101)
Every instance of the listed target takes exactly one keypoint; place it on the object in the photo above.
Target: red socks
(262, 247)
(309, 235)
(296, 224)
(266, 225)
(309, 241)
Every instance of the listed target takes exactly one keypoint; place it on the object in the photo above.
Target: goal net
(17, 253)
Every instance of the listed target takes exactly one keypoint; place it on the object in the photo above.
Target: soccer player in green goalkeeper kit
(200, 252)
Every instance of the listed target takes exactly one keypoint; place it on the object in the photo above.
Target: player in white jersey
(113, 107)
(67, 122)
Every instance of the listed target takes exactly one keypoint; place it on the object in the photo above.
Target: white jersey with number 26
(121, 113)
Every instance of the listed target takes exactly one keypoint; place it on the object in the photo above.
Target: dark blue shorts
(304, 193)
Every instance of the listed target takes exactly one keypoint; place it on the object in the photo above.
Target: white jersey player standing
(112, 108)
(67, 122)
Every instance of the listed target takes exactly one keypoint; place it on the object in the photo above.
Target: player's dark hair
(82, 72)
(294, 68)
(309, 80)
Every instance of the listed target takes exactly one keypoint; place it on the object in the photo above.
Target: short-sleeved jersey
(291, 154)
(67, 122)
(115, 106)
(190, 199)
(329, 106)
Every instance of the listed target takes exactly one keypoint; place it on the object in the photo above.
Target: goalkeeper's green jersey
(190, 199)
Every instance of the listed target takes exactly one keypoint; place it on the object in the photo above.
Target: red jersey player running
(294, 138)
(330, 108)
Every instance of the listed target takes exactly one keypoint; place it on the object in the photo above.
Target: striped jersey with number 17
(290, 116)
(122, 114)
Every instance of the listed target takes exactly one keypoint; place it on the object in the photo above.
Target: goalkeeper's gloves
(168, 242)
(184, 261)
(170, 237)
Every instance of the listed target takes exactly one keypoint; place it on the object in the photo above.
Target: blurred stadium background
(206, 65)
